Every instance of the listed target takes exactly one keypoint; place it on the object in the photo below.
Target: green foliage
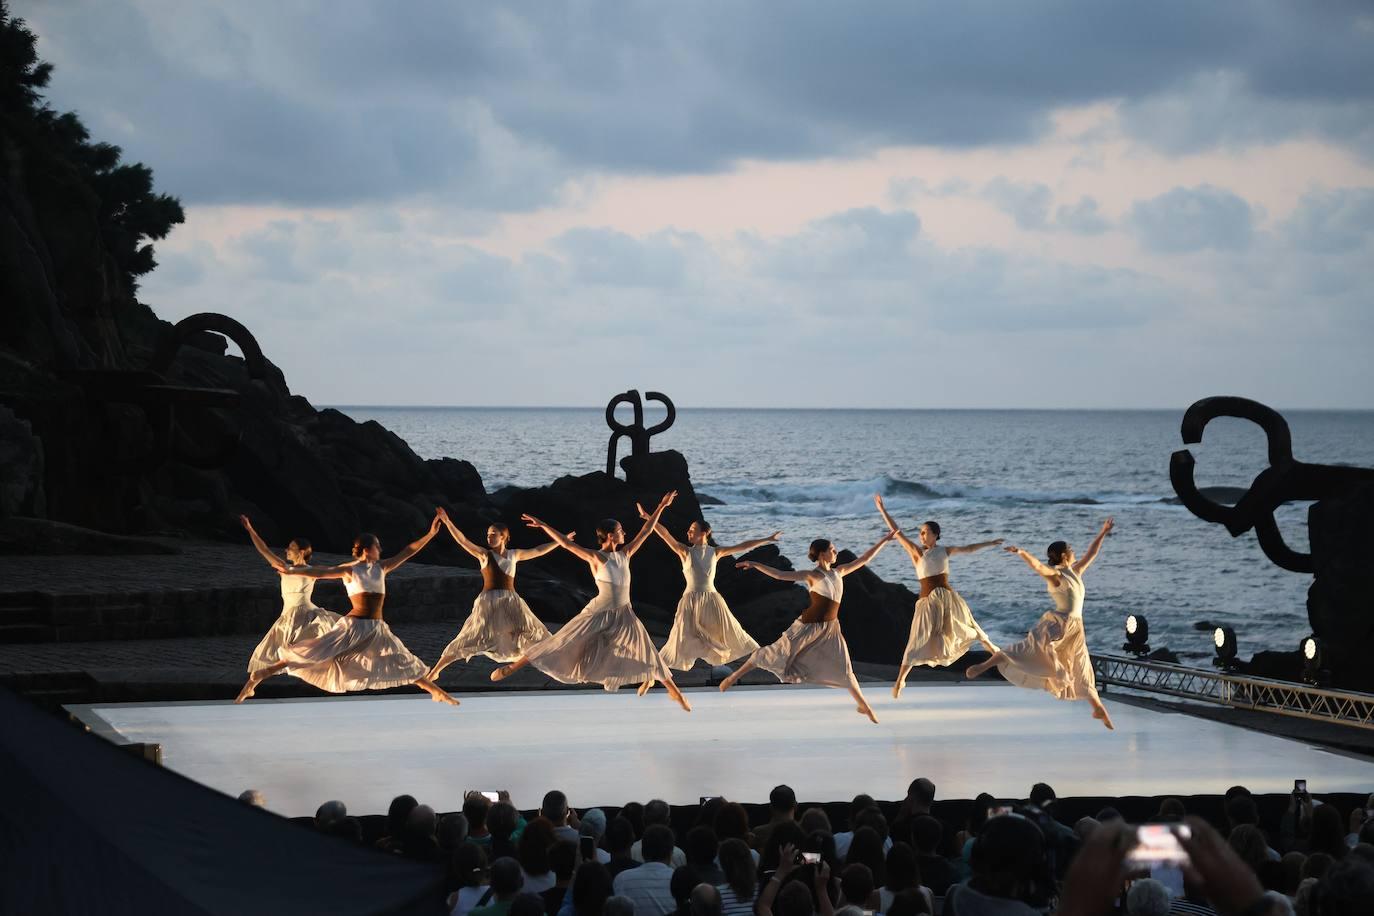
(130, 212)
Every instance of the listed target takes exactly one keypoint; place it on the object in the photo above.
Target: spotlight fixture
(1224, 638)
(1137, 635)
(1313, 671)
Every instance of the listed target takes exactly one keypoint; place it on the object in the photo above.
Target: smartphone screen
(999, 812)
(1300, 785)
(493, 797)
(1157, 845)
(588, 849)
(811, 858)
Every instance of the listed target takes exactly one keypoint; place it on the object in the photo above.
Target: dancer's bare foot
(505, 671)
(1100, 712)
(249, 688)
(443, 696)
(866, 710)
(975, 671)
(897, 690)
(729, 682)
(645, 687)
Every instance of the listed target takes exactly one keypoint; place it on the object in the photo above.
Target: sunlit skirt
(501, 627)
(704, 628)
(809, 653)
(942, 630)
(606, 646)
(358, 653)
(299, 621)
(1053, 657)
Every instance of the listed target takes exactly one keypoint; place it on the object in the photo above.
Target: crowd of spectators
(1019, 857)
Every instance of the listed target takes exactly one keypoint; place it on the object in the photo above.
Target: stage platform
(610, 748)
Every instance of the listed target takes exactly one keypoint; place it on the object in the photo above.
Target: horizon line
(647, 404)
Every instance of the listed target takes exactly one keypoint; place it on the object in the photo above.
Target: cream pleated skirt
(942, 630)
(501, 627)
(298, 622)
(606, 646)
(809, 653)
(704, 628)
(1053, 657)
(358, 653)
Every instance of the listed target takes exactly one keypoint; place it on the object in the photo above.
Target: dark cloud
(494, 106)
(1082, 218)
(1332, 221)
(1193, 219)
(1028, 203)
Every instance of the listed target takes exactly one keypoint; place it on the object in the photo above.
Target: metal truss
(1237, 691)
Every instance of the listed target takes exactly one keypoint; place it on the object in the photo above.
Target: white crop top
(831, 585)
(366, 578)
(506, 564)
(933, 562)
(699, 568)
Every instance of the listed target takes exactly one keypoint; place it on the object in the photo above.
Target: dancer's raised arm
(472, 548)
(564, 540)
(746, 546)
(320, 572)
(861, 561)
(1049, 572)
(529, 553)
(647, 528)
(673, 543)
(782, 575)
(907, 543)
(972, 548)
(278, 563)
(413, 547)
(1095, 547)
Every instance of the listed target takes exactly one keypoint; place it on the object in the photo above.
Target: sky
(880, 204)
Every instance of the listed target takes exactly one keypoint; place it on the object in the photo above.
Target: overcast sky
(899, 204)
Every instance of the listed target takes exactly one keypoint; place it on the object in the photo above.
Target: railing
(1237, 690)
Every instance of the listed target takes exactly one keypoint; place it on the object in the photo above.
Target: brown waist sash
(367, 604)
(931, 583)
(820, 609)
(494, 577)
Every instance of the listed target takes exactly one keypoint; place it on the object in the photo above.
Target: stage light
(1312, 662)
(1224, 638)
(1137, 635)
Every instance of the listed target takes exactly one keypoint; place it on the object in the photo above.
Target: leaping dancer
(813, 649)
(501, 625)
(605, 643)
(359, 652)
(1054, 655)
(942, 626)
(704, 627)
(300, 618)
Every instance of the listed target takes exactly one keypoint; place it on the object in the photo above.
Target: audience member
(701, 849)
(783, 896)
(857, 887)
(1084, 827)
(1292, 864)
(977, 817)
(684, 878)
(634, 813)
(475, 808)
(934, 869)
(1171, 811)
(502, 823)
(814, 819)
(732, 823)
(866, 848)
(909, 903)
(783, 833)
(347, 828)
(658, 812)
(533, 854)
(618, 906)
(593, 825)
(258, 800)
(1008, 861)
(506, 879)
(648, 886)
(782, 808)
(527, 904)
(328, 813)
(417, 840)
(1316, 865)
(902, 874)
(453, 831)
(740, 888)
(920, 795)
(396, 815)
(1326, 834)
(620, 840)
(555, 810)
(859, 804)
(562, 862)
(591, 886)
(1346, 889)
(1248, 842)
(469, 873)
(1147, 897)
(705, 901)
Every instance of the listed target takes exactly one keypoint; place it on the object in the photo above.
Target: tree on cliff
(56, 146)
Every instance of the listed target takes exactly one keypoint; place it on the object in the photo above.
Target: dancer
(703, 626)
(605, 643)
(501, 625)
(813, 649)
(942, 626)
(300, 618)
(1054, 655)
(360, 652)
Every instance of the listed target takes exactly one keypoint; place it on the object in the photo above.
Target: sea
(1029, 476)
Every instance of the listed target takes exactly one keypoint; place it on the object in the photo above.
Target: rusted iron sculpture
(635, 432)
(149, 390)
(1285, 480)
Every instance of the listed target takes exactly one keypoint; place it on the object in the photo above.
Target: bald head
(705, 901)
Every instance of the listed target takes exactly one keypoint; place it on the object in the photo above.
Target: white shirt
(648, 886)
(679, 858)
(467, 899)
(844, 840)
(537, 884)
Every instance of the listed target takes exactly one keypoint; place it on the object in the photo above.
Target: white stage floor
(612, 748)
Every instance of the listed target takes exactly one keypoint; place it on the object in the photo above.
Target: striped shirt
(732, 905)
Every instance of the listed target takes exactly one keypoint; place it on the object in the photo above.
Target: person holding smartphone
(782, 883)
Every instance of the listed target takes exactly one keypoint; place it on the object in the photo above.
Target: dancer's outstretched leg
(676, 693)
(857, 694)
(257, 677)
(500, 674)
(738, 673)
(436, 693)
(1100, 712)
(995, 658)
(440, 665)
(901, 681)
(646, 686)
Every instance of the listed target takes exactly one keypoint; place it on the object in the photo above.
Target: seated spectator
(634, 813)
(705, 901)
(782, 808)
(328, 813)
(977, 817)
(506, 878)
(527, 904)
(1147, 897)
(934, 869)
(657, 811)
(909, 903)
(1292, 872)
(707, 811)
(620, 840)
(903, 874)
(555, 810)
(1248, 842)
(1364, 851)
(732, 823)
(866, 848)
(475, 808)
(1316, 865)
(417, 840)
(784, 833)
(701, 849)
(1084, 827)
(740, 887)
(783, 894)
(502, 823)
(453, 831)
(593, 825)
(648, 886)
(469, 872)
(532, 852)
(258, 800)
(1109, 814)
(562, 861)
(1171, 811)
(591, 886)
(1327, 834)
(815, 819)
(347, 828)
(1242, 810)
(396, 815)
(857, 889)
(684, 879)
(1009, 879)
(873, 818)
(1346, 888)
(618, 906)
(860, 804)
(920, 795)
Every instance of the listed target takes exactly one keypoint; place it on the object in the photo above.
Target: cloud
(1193, 219)
(1081, 218)
(1332, 221)
(1028, 203)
